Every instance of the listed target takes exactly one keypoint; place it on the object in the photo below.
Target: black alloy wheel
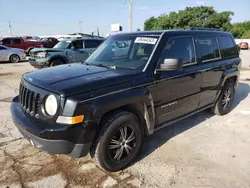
(119, 141)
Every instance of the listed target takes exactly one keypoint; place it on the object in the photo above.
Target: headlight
(41, 55)
(51, 105)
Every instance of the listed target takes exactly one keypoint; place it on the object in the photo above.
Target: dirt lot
(201, 151)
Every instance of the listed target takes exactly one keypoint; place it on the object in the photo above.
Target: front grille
(29, 100)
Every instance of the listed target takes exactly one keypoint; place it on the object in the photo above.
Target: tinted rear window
(228, 47)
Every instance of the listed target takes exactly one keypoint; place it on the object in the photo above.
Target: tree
(149, 24)
(201, 16)
(241, 30)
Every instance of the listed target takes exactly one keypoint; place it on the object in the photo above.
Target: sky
(44, 17)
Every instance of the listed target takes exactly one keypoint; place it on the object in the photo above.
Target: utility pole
(130, 15)
(98, 31)
(80, 22)
(10, 30)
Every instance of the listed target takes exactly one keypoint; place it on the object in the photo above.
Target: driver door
(178, 91)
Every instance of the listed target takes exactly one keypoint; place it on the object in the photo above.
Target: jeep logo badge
(30, 79)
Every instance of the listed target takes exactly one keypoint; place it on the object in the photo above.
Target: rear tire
(56, 62)
(224, 103)
(119, 142)
(14, 58)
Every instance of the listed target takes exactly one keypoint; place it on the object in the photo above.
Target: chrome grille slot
(29, 100)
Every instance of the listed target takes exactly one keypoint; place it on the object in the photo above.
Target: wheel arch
(230, 75)
(58, 57)
(12, 55)
(138, 102)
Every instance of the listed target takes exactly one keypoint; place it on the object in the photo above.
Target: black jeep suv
(107, 104)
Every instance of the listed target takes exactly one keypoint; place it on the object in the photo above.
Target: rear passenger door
(178, 92)
(212, 66)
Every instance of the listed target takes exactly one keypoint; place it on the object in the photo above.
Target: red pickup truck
(19, 42)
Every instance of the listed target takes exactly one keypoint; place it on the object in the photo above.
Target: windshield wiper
(106, 66)
(85, 63)
(99, 65)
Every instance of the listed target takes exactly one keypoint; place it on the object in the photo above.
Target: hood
(77, 78)
(35, 50)
(17, 49)
(33, 42)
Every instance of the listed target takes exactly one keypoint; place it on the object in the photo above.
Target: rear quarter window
(228, 47)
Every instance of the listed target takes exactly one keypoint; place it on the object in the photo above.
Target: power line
(131, 15)
(122, 7)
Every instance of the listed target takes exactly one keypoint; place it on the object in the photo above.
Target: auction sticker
(145, 40)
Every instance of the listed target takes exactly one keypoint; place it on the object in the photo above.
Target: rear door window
(78, 44)
(208, 48)
(16, 41)
(228, 47)
(91, 43)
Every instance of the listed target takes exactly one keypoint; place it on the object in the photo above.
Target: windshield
(43, 39)
(63, 44)
(124, 51)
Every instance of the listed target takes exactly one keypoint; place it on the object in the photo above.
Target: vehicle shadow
(151, 143)
(7, 62)
(241, 93)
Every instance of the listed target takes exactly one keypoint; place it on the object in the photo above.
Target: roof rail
(204, 29)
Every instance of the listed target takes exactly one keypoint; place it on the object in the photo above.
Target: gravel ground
(201, 151)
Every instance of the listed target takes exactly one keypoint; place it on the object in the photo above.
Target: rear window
(228, 48)
(208, 48)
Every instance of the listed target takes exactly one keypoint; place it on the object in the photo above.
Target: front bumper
(23, 56)
(45, 140)
(39, 63)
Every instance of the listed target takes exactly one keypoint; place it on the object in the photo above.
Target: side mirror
(171, 65)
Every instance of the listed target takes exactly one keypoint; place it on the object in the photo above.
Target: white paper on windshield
(145, 40)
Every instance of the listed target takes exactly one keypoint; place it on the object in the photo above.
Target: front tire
(119, 142)
(224, 103)
(14, 58)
